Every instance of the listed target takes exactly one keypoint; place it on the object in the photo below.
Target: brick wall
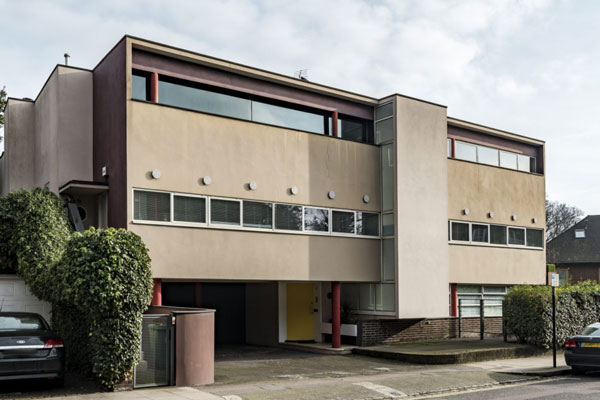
(373, 332)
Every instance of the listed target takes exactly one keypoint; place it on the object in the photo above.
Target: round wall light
(513, 217)
(252, 185)
(207, 180)
(155, 174)
(534, 220)
(466, 211)
(331, 194)
(294, 190)
(491, 214)
(366, 198)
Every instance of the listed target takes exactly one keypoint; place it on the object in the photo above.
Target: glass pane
(342, 221)
(387, 222)
(497, 234)
(471, 289)
(580, 233)
(516, 236)
(387, 176)
(367, 224)
(367, 297)
(316, 219)
(225, 212)
(138, 87)
(532, 164)
(386, 110)
(465, 151)
(258, 214)
(494, 289)
(151, 206)
(524, 163)
(449, 147)
(389, 260)
(189, 209)
(487, 155)
(386, 297)
(479, 233)
(21, 323)
(535, 238)
(288, 217)
(384, 130)
(203, 100)
(350, 295)
(460, 231)
(508, 160)
(287, 117)
(352, 130)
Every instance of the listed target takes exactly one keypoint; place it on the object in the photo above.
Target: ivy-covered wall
(99, 282)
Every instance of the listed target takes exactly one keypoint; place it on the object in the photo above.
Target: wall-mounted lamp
(155, 174)
(534, 220)
(513, 217)
(366, 198)
(207, 180)
(331, 194)
(294, 190)
(466, 211)
(252, 185)
(491, 214)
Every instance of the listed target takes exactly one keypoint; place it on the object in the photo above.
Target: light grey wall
(421, 209)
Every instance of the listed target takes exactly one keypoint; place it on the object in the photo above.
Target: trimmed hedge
(99, 283)
(528, 312)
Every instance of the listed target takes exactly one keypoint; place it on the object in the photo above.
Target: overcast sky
(531, 67)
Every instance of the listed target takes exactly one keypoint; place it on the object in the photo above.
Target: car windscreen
(591, 331)
(21, 323)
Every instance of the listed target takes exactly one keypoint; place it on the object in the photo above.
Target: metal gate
(155, 367)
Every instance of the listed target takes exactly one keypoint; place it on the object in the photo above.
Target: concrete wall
(482, 189)
(421, 209)
(262, 324)
(15, 296)
(185, 146)
(16, 164)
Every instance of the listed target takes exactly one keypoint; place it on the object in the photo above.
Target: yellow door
(299, 311)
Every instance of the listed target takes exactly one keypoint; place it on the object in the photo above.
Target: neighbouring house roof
(566, 248)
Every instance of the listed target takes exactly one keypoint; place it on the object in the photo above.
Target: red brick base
(381, 331)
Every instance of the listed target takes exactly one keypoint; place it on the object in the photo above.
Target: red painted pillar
(336, 340)
(334, 124)
(157, 294)
(154, 87)
(453, 300)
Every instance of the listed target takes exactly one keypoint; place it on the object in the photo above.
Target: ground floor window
(368, 297)
(470, 296)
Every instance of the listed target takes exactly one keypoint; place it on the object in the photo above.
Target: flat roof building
(284, 204)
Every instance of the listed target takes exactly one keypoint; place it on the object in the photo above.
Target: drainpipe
(336, 340)
(157, 294)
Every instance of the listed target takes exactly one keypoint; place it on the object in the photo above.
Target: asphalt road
(563, 388)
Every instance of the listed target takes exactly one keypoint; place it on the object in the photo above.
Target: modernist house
(278, 201)
(576, 251)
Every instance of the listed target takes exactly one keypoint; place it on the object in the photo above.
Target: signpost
(554, 281)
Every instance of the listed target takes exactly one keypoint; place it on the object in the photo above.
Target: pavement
(269, 373)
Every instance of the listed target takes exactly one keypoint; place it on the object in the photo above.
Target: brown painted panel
(186, 70)
(501, 143)
(110, 141)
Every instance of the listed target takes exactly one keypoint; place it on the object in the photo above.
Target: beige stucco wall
(185, 146)
(482, 189)
(202, 253)
(16, 165)
(421, 209)
(499, 266)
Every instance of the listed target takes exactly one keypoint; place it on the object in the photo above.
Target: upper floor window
(490, 156)
(229, 103)
(580, 233)
(488, 234)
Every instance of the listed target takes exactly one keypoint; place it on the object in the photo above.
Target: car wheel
(577, 370)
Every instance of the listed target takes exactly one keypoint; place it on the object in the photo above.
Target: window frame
(253, 228)
(488, 243)
(524, 229)
(379, 229)
(221, 225)
(146, 221)
(452, 240)
(331, 211)
(187, 223)
(328, 232)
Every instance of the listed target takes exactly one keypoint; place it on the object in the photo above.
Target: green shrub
(99, 283)
(106, 278)
(528, 312)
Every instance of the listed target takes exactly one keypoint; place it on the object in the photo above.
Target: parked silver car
(582, 352)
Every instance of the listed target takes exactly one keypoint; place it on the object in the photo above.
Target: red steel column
(336, 340)
(453, 300)
(334, 124)
(154, 87)
(157, 294)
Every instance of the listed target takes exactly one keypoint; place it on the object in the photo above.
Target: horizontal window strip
(488, 234)
(480, 154)
(188, 210)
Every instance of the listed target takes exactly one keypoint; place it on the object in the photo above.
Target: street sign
(554, 281)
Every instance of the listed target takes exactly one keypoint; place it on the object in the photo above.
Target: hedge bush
(99, 283)
(528, 312)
